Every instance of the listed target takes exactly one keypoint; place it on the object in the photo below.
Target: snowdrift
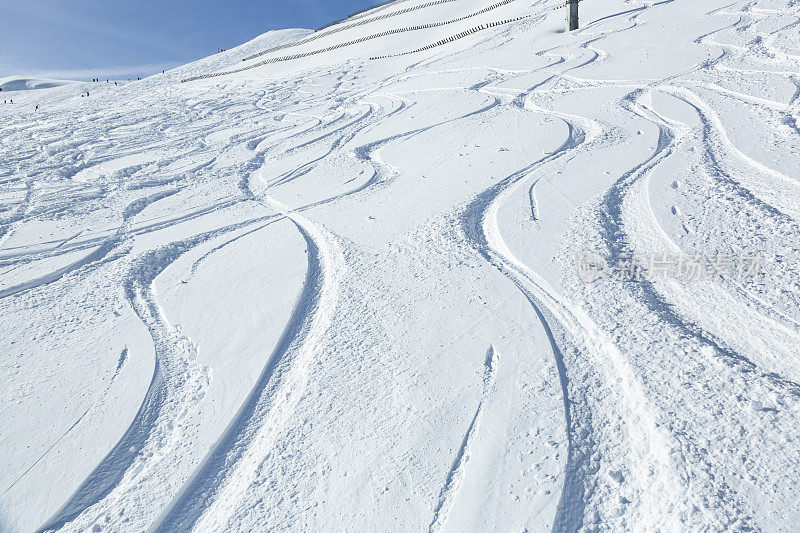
(16, 83)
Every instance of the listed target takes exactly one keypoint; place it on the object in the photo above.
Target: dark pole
(572, 5)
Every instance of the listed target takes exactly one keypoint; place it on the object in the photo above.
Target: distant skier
(37, 107)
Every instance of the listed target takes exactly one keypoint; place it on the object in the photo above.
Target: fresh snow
(329, 281)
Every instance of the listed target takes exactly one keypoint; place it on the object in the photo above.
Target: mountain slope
(339, 280)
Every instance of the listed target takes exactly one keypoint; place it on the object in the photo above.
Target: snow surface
(18, 83)
(337, 293)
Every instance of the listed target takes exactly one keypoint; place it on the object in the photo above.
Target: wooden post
(572, 14)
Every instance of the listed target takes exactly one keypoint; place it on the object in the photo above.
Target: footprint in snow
(617, 476)
(758, 407)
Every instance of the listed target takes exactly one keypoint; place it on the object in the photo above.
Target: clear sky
(84, 38)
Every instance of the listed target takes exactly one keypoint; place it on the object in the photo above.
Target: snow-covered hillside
(18, 83)
(442, 266)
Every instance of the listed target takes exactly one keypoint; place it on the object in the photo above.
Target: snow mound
(18, 83)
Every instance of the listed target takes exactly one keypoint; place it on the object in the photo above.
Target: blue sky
(84, 38)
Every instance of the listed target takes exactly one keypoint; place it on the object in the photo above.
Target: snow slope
(328, 281)
(17, 83)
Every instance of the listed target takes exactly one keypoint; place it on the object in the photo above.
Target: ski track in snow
(669, 413)
(219, 482)
(456, 474)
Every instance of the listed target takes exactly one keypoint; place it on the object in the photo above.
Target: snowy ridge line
(358, 15)
(472, 30)
(315, 36)
(357, 41)
(375, 9)
(455, 37)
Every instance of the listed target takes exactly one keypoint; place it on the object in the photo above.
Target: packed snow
(441, 266)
